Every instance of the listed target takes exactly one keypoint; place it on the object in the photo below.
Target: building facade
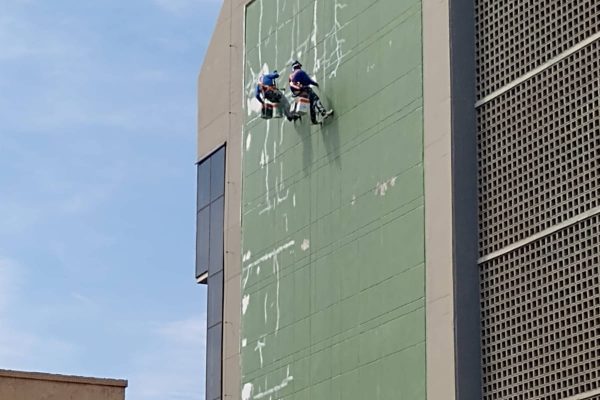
(18, 385)
(436, 238)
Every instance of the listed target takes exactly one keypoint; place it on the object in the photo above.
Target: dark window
(214, 358)
(215, 260)
(210, 215)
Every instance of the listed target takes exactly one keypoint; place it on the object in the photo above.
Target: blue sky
(97, 190)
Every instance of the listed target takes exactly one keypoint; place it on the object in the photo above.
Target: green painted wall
(333, 218)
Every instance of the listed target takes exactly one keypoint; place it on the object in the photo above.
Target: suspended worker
(266, 88)
(300, 85)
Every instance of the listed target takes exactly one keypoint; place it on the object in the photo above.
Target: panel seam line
(546, 232)
(537, 70)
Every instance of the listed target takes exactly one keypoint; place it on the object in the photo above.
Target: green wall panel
(333, 260)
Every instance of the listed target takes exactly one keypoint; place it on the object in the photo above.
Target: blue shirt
(265, 80)
(301, 77)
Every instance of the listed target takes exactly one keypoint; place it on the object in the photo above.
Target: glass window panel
(217, 177)
(203, 184)
(215, 299)
(202, 241)
(216, 236)
(213, 362)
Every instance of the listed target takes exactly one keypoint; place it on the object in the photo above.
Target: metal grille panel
(541, 317)
(539, 152)
(514, 37)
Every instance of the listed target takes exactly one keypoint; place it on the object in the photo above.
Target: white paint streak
(245, 303)
(382, 187)
(370, 68)
(280, 187)
(248, 141)
(259, 347)
(285, 221)
(265, 307)
(266, 257)
(333, 61)
(260, 24)
(353, 202)
(265, 163)
(276, 270)
(244, 342)
(247, 391)
(247, 256)
(317, 62)
(262, 159)
(305, 245)
(294, 200)
(275, 389)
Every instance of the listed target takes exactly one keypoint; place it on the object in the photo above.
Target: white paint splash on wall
(305, 245)
(353, 202)
(260, 345)
(317, 62)
(294, 200)
(370, 67)
(247, 391)
(248, 141)
(333, 60)
(244, 342)
(276, 271)
(245, 303)
(275, 389)
(265, 162)
(265, 307)
(264, 258)
(382, 187)
(247, 256)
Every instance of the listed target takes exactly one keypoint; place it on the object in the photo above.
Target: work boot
(326, 114)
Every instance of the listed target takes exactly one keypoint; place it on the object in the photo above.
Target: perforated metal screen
(541, 317)
(539, 166)
(539, 152)
(516, 36)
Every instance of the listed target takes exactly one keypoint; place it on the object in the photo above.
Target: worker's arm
(257, 95)
(304, 79)
(272, 75)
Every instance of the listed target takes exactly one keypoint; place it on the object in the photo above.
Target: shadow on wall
(303, 130)
(331, 137)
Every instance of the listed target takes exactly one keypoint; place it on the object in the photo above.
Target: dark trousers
(315, 103)
(275, 96)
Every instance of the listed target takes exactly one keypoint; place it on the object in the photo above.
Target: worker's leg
(286, 108)
(279, 98)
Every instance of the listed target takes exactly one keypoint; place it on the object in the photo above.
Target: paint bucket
(301, 106)
(277, 111)
(267, 110)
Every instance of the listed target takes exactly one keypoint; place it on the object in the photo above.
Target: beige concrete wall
(452, 279)
(16, 385)
(438, 201)
(220, 121)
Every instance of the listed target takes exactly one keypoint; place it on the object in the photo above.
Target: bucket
(277, 111)
(301, 106)
(267, 110)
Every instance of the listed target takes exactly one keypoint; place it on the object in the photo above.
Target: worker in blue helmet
(266, 88)
(300, 85)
